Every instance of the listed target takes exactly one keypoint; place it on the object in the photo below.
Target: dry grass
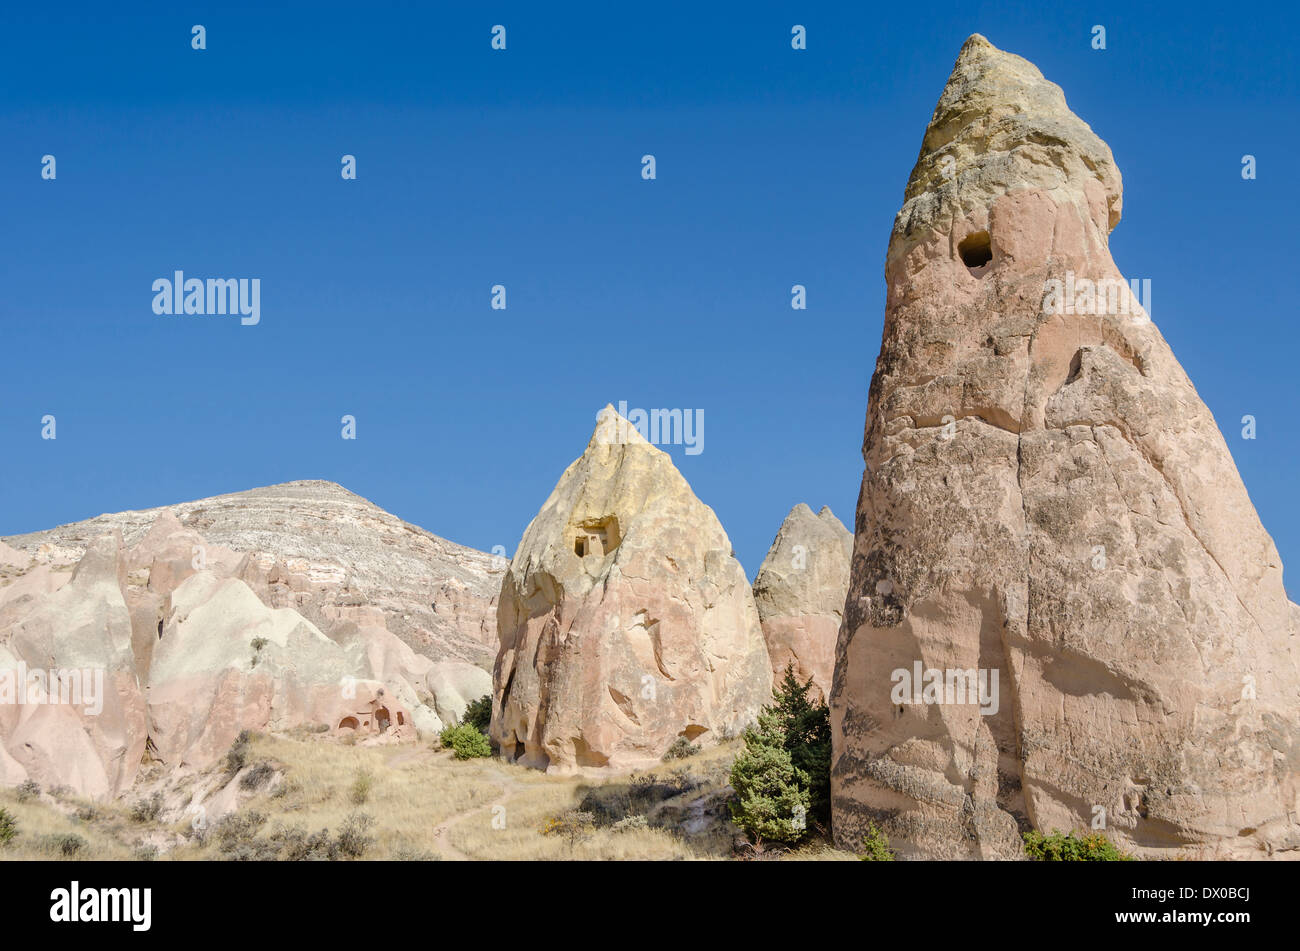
(45, 824)
(424, 805)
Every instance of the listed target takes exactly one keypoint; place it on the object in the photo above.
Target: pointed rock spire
(1051, 525)
(800, 593)
(625, 621)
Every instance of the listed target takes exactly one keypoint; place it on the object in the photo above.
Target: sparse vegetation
(574, 826)
(257, 777)
(257, 644)
(147, 809)
(1066, 847)
(682, 748)
(875, 846)
(67, 845)
(361, 787)
(465, 741)
(352, 841)
(8, 827)
(424, 806)
(27, 790)
(237, 758)
(631, 824)
(782, 777)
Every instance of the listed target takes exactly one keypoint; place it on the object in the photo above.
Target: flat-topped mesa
(800, 593)
(1047, 501)
(625, 621)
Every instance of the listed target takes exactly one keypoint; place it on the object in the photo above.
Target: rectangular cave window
(580, 547)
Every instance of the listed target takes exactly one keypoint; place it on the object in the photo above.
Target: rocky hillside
(335, 549)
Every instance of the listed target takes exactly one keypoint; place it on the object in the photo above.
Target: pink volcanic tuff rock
(161, 559)
(373, 713)
(82, 631)
(1046, 496)
(326, 547)
(800, 593)
(226, 662)
(12, 559)
(194, 647)
(625, 621)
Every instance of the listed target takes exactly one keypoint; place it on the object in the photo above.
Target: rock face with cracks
(800, 592)
(1046, 497)
(625, 620)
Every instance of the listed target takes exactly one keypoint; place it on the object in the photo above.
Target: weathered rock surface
(625, 620)
(454, 685)
(1046, 496)
(81, 722)
(197, 641)
(226, 662)
(800, 591)
(321, 546)
(11, 559)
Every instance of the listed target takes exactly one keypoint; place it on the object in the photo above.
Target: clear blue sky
(522, 168)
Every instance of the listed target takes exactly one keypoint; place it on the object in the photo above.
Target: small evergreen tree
(807, 729)
(479, 714)
(782, 777)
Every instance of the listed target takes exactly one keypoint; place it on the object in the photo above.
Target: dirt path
(507, 787)
(405, 757)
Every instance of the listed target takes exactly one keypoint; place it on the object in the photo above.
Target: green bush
(875, 846)
(479, 714)
(1066, 847)
(782, 777)
(8, 827)
(465, 741)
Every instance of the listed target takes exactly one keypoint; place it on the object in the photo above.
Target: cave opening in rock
(580, 547)
(976, 250)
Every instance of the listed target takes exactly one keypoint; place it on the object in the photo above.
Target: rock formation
(800, 592)
(226, 662)
(454, 685)
(319, 545)
(195, 641)
(72, 711)
(1046, 497)
(625, 620)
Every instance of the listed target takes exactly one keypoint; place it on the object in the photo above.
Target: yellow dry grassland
(322, 798)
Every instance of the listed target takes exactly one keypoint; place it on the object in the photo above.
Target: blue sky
(522, 167)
